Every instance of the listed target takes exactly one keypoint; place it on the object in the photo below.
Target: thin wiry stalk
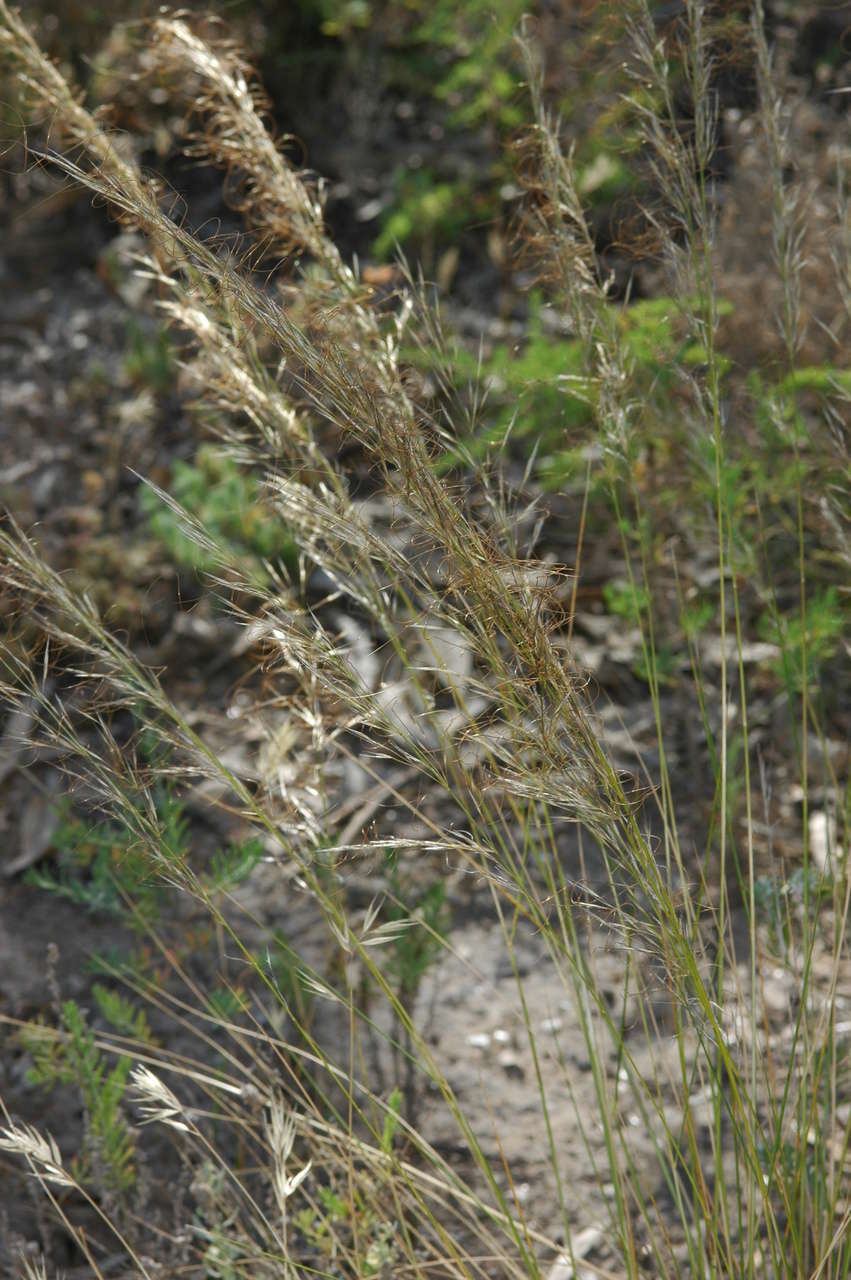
(789, 215)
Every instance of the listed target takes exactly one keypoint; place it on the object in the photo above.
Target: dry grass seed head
(41, 1153)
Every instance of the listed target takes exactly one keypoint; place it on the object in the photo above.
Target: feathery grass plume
(223, 90)
(123, 681)
(789, 205)
(498, 750)
(284, 209)
(45, 1163)
(506, 616)
(280, 1133)
(820, 1197)
(681, 162)
(390, 432)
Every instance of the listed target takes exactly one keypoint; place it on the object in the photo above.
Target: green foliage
(536, 390)
(660, 668)
(108, 1156)
(825, 378)
(778, 901)
(462, 55)
(391, 1120)
(696, 617)
(226, 500)
(482, 82)
(460, 52)
(150, 358)
(626, 600)
(336, 1218)
(654, 330)
(103, 866)
(806, 646)
(425, 212)
(340, 18)
(226, 1003)
(229, 867)
(227, 1255)
(633, 604)
(539, 392)
(127, 1018)
(414, 950)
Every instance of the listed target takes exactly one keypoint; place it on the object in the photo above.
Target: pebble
(511, 1064)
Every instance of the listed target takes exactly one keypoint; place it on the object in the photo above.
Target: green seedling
(425, 212)
(335, 1220)
(107, 1157)
(149, 361)
(227, 502)
(104, 867)
(414, 950)
(626, 600)
(806, 647)
(127, 1018)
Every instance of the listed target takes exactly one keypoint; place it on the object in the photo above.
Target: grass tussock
(438, 661)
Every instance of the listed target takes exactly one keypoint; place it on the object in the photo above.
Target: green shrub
(425, 213)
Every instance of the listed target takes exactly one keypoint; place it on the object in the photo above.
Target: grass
(715, 1118)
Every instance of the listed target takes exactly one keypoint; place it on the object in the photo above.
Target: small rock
(823, 846)
(775, 1000)
(511, 1064)
(583, 1243)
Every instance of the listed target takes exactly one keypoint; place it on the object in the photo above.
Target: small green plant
(127, 1018)
(825, 379)
(341, 18)
(391, 1120)
(696, 617)
(107, 1158)
(336, 1219)
(415, 949)
(657, 337)
(231, 866)
(105, 867)
(425, 213)
(626, 600)
(805, 648)
(540, 394)
(780, 901)
(481, 84)
(227, 1003)
(226, 501)
(149, 361)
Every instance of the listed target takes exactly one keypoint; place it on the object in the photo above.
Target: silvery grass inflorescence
(435, 664)
(40, 1152)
